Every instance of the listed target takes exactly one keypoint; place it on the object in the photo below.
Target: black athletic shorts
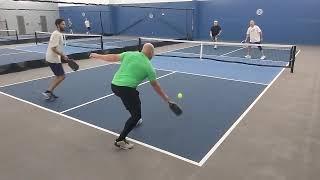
(57, 69)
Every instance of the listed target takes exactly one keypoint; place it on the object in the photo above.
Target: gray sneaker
(123, 144)
(47, 95)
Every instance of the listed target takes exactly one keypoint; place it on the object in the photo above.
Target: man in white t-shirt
(53, 57)
(254, 33)
(87, 24)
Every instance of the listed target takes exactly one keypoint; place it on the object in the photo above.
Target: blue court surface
(215, 93)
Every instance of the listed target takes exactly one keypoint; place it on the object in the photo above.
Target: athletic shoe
(139, 122)
(263, 57)
(215, 47)
(248, 56)
(47, 95)
(124, 144)
(54, 96)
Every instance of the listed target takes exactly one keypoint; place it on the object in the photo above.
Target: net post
(201, 51)
(36, 37)
(16, 33)
(140, 44)
(293, 59)
(101, 41)
(65, 39)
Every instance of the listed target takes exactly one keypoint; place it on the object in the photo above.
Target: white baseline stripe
(13, 53)
(98, 99)
(104, 130)
(17, 48)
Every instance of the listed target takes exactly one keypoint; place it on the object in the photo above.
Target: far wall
(31, 17)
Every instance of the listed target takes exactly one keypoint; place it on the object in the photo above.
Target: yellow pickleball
(180, 95)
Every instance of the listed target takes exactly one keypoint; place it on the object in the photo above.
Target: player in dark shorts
(215, 32)
(53, 57)
(134, 68)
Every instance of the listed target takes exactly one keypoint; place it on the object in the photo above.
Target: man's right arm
(156, 86)
(247, 35)
(107, 57)
(55, 50)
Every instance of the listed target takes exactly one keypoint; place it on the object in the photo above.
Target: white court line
(53, 75)
(98, 99)
(13, 53)
(232, 51)
(223, 55)
(17, 48)
(104, 130)
(215, 147)
(215, 77)
(119, 41)
(146, 145)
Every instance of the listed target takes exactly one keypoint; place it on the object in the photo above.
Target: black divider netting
(74, 40)
(273, 55)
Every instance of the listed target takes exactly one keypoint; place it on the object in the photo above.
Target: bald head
(148, 50)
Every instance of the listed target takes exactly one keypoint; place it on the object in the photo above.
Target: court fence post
(293, 57)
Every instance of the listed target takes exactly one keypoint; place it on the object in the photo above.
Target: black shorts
(260, 48)
(129, 97)
(214, 36)
(57, 69)
(89, 28)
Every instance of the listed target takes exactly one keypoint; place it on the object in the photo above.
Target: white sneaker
(123, 144)
(139, 122)
(215, 46)
(248, 56)
(263, 57)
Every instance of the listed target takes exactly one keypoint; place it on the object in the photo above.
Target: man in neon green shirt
(134, 68)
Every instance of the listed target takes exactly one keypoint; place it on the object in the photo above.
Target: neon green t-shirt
(135, 67)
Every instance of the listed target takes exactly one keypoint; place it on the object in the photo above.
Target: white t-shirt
(254, 33)
(56, 40)
(87, 23)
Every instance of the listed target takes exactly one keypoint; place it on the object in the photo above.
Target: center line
(95, 100)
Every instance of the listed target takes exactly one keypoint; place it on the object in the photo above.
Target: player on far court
(255, 34)
(215, 32)
(88, 26)
(134, 68)
(53, 57)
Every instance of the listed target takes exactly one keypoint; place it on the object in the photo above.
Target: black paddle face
(175, 108)
(73, 65)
